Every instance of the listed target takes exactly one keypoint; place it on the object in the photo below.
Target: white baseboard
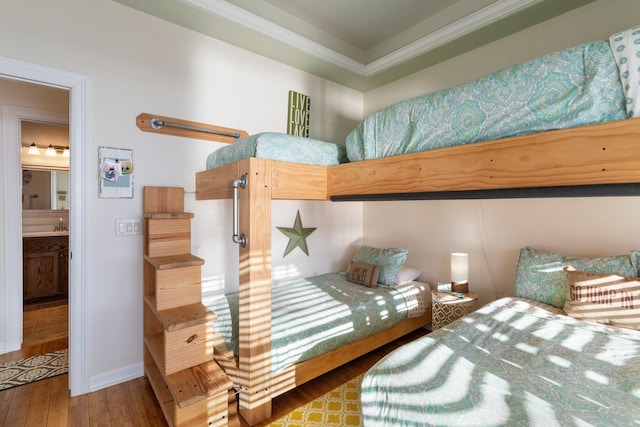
(98, 382)
(8, 347)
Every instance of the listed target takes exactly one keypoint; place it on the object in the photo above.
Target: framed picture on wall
(298, 114)
(115, 167)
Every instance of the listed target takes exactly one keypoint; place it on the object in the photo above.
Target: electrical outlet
(128, 227)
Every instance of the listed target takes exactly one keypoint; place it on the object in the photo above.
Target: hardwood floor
(47, 402)
(45, 321)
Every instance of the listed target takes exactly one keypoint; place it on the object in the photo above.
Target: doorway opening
(44, 158)
(76, 87)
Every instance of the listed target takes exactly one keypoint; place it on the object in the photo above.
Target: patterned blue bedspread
(278, 146)
(577, 86)
(574, 87)
(316, 315)
(512, 363)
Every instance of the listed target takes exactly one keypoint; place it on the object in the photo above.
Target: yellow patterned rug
(339, 407)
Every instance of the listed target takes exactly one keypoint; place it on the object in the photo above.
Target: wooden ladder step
(173, 280)
(167, 233)
(163, 199)
(199, 382)
(184, 316)
(180, 353)
(173, 261)
(212, 410)
(168, 215)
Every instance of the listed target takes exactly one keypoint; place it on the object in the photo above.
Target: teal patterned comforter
(574, 87)
(279, 146)
(512, 363)
(316, 315)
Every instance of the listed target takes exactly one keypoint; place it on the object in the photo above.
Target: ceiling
(362, 44)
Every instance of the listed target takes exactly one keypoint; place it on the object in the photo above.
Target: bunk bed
(265, 180)
(595, 159)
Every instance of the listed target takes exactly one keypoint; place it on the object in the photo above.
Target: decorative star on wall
(297, 236)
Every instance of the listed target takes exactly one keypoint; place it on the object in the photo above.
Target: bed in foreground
(520, 362)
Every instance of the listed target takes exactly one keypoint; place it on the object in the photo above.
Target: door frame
(10, 151)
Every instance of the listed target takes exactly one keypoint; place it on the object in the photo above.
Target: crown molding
(482, 17)
(230, 24)
(254, 22)
(450, 32)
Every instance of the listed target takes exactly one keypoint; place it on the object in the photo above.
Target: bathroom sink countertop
(45, 233)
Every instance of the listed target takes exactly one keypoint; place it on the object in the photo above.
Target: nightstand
(447, 308)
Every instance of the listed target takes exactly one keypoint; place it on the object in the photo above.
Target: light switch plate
(128, 227)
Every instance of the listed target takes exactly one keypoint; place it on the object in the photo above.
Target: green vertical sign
(298, 116)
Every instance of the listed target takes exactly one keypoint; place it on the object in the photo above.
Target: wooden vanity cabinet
(45, 267)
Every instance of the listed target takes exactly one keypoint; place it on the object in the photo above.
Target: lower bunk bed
(321, 321)
(565, 350)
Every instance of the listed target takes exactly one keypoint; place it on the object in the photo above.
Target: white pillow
(408, 274)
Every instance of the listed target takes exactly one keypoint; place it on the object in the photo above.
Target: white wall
(492, 231)
(137, 63)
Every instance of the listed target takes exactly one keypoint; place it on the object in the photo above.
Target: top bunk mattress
(574, 87)
(282, 147)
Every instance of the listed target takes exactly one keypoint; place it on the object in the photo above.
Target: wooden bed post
(255, 292)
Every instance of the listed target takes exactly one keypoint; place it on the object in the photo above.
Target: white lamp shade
(51, 152)
(33, 149)
(459, 268)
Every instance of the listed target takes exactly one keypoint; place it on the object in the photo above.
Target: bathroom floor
(45, 321)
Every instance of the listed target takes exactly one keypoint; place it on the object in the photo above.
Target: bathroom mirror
(45, 189)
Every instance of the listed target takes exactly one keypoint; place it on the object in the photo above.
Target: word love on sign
(298, 116)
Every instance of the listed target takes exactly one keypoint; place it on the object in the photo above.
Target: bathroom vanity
(45, 267)
(45, 255)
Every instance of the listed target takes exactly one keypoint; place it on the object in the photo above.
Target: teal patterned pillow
(540, 275)
(390, 261)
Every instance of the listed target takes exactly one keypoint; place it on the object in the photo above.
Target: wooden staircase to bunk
(179, 339)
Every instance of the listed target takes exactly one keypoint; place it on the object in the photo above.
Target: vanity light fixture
(51, 151)
(33, 149)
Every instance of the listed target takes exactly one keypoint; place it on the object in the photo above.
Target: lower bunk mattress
(514, 362)
(282, 147)
(315, 315)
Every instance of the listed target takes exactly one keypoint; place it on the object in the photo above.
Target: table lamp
(459, 272)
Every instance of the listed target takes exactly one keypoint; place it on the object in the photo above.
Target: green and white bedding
(514, 362)
(278, 146)
(577, 86)
(585, 84)
(318, 314)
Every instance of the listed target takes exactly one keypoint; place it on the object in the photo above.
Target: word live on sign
(298, 116)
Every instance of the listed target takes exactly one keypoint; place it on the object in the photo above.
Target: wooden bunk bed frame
(605, 155)
(269, 180)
